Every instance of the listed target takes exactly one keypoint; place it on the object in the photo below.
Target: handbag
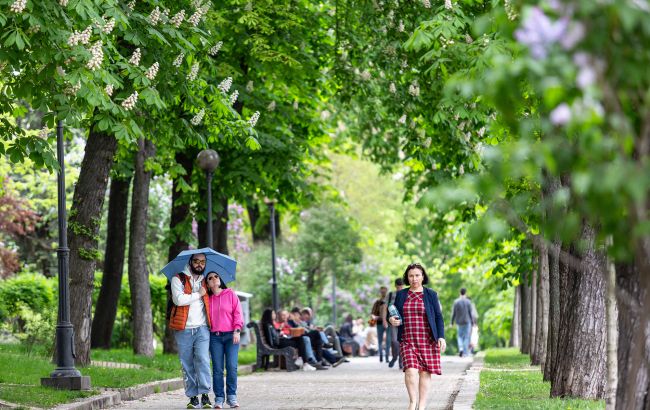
(372, 322)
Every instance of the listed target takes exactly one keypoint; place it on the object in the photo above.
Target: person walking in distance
(380, 321)
(421, 333)
(462, 315)
(190, 319)
(391, 332)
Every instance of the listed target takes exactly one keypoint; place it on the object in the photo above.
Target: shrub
(33, 291)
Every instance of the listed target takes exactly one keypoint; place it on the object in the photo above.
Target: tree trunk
(83, 229)
(515, 329)
(179, 219)
(542, 308)
(612, 333)
(262, 229)
(109, 294)
(533, 313)
(254, 216)
(633, 337)
(554, 310)
(219, 228)
(525, 314)
(138, 272)
(581, 367)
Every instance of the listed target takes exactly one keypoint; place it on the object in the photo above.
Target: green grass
(248, 355)
(508, 383)
(38, 396)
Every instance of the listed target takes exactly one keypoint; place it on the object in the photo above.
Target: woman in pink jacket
(226, 324)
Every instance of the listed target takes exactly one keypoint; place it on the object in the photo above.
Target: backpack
(376, 307)
(170, 302)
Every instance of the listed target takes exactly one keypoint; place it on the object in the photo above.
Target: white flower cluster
(414, 89)
(365, 75)
(97, 55)
(64, 3)
(391, 88)
(108, 26)
(135, 57)
(130, 101)
(402, 119)
(179, 60)
(154, 17)
(448, 4)
(271, 106)
(253, 120)
(193, 72)
(178, 18)
(215, 48)
(109, 89)
(400, 26)
(18, 6)
(233, 97)
(72, 90)
(60, 71)
(195, 18)
(34, 29)
(225, 85)
(196, 120)
(42, 134)
(468, 39)
(131, 5)
(165, 15)
(83, 37)
(426, 4)
(152, 71)
(461, 169)
(295, 105)
(249, 86)
(511, 12)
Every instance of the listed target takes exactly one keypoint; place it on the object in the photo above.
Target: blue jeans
(380, 336)
(222, 347)
(309, 351)
(193, 351)
(464, 332)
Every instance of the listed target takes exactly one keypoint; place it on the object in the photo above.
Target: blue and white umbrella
(223, 265)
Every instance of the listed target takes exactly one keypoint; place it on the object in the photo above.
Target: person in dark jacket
(421, 334)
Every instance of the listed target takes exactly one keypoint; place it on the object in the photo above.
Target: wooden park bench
(265, 351)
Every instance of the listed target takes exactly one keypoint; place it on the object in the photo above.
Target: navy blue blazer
(432, 307)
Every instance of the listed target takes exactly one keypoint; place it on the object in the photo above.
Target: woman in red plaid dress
(421, 334)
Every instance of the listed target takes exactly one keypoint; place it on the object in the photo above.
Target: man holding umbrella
(190, 319)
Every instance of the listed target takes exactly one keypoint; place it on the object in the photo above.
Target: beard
(197, 271)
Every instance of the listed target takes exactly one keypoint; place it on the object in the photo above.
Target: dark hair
(405, 278)
(463, 291)
(399, 282)
(295, 310)
(349, 318)
(222, 284)
(267, 317)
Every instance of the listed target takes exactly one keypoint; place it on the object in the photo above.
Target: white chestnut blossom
(72, 89)
(130, 101)
(295, 105)
(179, 60)
(225, 85)
(253, 119)
(414, 89)
(131, 5)
(461, 169)
(178, 18)
(405, 63)
(18, 6)
(402, 119)
(195, 18)
(60, 71)
(152, 71)
(271, 106)
(400, 26)
(448, 4)
(154, 17)
(135, 57)
(42, 134)
(468, 39)
(193, 72)
(215, 49)
(108, 26)
(109, 89)
(233, 97)
(426, 4)
(249, 86)
(196, 120)
(97, 55)
(64, 3)
(391, 88)
(365, 75)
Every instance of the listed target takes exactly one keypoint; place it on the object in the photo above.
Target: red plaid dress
(417, 348)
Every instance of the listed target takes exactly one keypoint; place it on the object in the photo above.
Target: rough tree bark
(542, 308)
(525, 314)
(179, 215)
(533, 311)
(138, 272)
(581, 361)
(109, 293)
(554, 309)
(515, 330)
(611, 315)
(83, 229)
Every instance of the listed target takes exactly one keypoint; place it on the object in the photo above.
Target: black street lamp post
(274, 283)
(208, 160)
(65, 376)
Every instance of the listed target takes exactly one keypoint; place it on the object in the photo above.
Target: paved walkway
(364, 383)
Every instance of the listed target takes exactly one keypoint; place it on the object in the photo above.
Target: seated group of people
(295, 329)
(359, 340)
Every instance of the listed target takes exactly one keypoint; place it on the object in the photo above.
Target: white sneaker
(308, 368)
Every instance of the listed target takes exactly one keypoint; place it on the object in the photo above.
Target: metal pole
(210, 243)
(64, 330)
(274, 284)
(333, 300)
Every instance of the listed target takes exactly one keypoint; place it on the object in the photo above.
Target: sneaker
(232, 402)
(194, 403)
(307, 367)
(205, 402)
(339, 362)
(218, 402)
(325, 363)
(317, 365)
(327, 345)
(392, 362)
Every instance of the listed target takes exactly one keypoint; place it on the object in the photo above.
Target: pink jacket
(225, 312)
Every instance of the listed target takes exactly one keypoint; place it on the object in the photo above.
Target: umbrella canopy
(224, 265)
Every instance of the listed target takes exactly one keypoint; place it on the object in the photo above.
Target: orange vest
(178, 316)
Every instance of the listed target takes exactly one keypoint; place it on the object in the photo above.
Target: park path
(364, 383)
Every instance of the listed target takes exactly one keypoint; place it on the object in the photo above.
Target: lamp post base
(67, 382)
